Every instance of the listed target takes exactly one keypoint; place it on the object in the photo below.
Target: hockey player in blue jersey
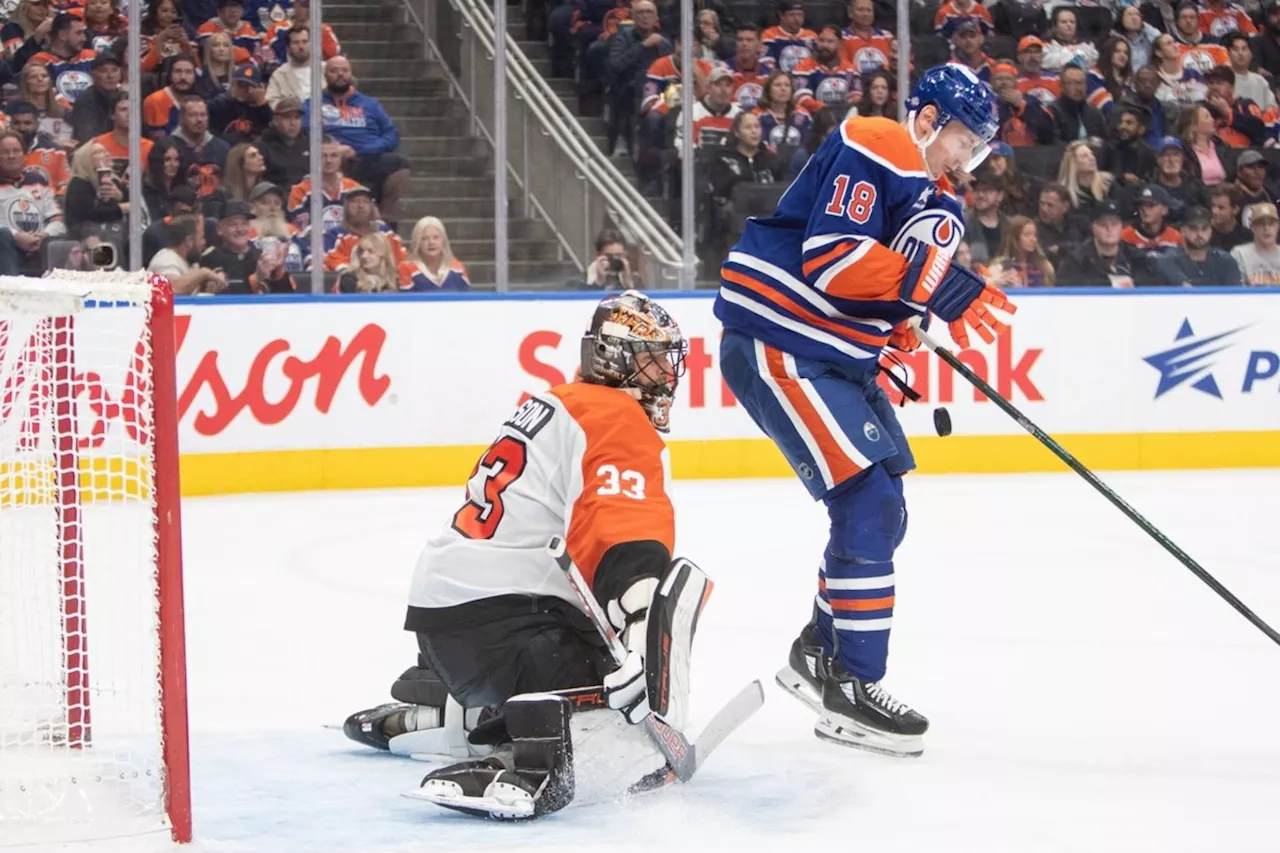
(859, 245)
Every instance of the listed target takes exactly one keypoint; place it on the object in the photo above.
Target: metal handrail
(627, 206)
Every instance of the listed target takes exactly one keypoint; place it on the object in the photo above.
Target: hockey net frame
(70, 480)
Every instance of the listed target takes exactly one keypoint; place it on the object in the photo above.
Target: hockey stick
(674, 746)
(1092, 479)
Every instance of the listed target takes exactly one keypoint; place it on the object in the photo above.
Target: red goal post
(93, 698)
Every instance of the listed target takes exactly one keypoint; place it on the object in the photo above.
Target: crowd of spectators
(226, 198)
(1136, 141)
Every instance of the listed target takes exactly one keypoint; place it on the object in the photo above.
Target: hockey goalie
(513, 678)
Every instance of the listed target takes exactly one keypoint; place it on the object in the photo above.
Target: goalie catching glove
(957, 295)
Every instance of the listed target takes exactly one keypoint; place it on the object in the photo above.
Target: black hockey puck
(942, 421)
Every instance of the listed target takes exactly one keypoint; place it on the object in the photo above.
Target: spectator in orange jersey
(67, 59)
(749, 69)
(430, 265)
(956, 13)
(116, 140)
(359, 218)
(372, 269)
(1023, 119)
(46, 163)
(54, 113)
(95, 196)
(161, 109)
(1032, 80)
(336, 186)
(276, 41)
(28, 27)
(864, 45)
(789, 42)
(103, 24)
(1195, 50)
(1218, 17)
(1152, 234)
(1239, 120)
(634, 51)
(245, 170)
(98, 101)
(825, 79)
(164, 34)
(231, 21)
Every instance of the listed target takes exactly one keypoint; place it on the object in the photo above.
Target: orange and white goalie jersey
(580, 461)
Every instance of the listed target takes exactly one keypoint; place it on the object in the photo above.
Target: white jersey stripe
(849, 584)
(852, 350)
(883, 624)
(762, 367)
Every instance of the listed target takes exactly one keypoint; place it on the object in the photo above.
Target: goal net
(92, 682)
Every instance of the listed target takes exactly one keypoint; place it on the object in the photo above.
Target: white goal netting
(81, 733)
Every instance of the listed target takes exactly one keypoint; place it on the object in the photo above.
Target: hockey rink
(1086, 692)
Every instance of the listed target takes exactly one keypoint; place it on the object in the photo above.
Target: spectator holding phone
(270, 274)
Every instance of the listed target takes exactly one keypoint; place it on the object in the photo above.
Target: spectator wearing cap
(267, 201)
(1249, 84)
(713, 114)
(1259, 261)
(1143, 96)
(1140, 35)
(865, 46)
(1085, 182)
(69, 62)
(1104, 259)
(825, 79)
(1128, 157)
(1152, 234)
(1065, 46)
(1252, 183)
(1023, 120)
(284, 145)
(46, 163)
(1171, 174)
(984, 224)
(1057, 229)
(293, 78)
(1073, 117)
(230, 20)
(1239, 120)
(966, 49)
(430, 265)
(952, 14)
(200, 148)
(165, 173)
(116, 140)
(1020, 190)
(369, 139)
(1210, 161)
(92, 115)
(1197, 263)
(235, 258)
(1224, 216)
(1033, 80)
(1266, 44)
(359, 217)
(790, 41)
(162, 108)
(241, 114)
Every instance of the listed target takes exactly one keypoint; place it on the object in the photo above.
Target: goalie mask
(633, 344)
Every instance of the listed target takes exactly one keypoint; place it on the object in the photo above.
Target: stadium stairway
(452, 169)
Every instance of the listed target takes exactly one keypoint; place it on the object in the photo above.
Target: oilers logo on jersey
(791, 55)
(934, 227)
(72, 82)
(24, 214)
(869, 59)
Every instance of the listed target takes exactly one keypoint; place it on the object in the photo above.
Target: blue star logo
(1190, 360)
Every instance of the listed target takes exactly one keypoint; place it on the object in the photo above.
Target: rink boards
(289, 394)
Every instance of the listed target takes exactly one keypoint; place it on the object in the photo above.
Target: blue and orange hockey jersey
(821, 277)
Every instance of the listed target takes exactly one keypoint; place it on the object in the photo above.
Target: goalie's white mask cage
(93, 708)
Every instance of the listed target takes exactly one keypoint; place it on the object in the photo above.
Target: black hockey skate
(376, 726)
(806, 667)
(863, 715)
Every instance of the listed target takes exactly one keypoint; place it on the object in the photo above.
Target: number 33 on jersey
(581, 461)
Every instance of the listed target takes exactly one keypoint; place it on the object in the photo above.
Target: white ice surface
(1086, 692)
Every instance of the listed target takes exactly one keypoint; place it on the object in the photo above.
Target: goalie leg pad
(673, 620)
(420, 685)
(532, 776)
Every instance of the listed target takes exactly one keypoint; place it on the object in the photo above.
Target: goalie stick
(681, 755)
(1093, 480)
